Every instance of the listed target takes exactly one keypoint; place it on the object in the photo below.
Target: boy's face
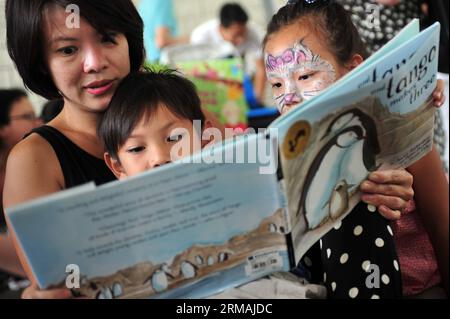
(151, 142)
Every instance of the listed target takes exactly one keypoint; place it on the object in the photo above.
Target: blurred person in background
(233, 27)
(160, 27)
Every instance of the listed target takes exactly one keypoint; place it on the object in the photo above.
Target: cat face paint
(297, 75)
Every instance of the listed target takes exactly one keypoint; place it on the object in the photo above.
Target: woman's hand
(438, 94)
(389, 190)
(33, 292)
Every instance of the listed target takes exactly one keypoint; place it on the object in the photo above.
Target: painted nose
(95, 60)
(291, 98)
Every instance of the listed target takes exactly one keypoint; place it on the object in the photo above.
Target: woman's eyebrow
(63, 39)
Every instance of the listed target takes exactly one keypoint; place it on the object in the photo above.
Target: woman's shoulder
(32, 171)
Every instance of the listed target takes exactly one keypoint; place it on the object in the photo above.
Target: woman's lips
(99, 90)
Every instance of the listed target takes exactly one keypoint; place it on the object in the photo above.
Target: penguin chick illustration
(338, 203)
(324, 175)
(188, 270)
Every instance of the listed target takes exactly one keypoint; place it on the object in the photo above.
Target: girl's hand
(438, 94)
(389, 190)
(33, 292)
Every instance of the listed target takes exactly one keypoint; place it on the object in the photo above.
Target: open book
(224, 217)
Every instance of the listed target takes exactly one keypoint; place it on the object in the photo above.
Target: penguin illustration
(272, 228)
(324, 175)
(159, 279)
(356, 117)
(105, 293)
(199, 260)
(210, 260)
(117, 290)
(223, 256)
(338, 203)
(188, 270)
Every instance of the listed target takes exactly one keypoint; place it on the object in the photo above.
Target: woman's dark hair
(232, 13)
(140, 94)
(327, 17)
(7, 99)
(25, 35)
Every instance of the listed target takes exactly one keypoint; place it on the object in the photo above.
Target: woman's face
(299, 66)
(85, 66)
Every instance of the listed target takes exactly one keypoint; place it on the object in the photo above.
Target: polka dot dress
(356, 259)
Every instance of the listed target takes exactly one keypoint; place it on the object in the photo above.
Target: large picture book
(244, 208)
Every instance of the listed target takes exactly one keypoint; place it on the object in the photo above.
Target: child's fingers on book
(403, 191)
(392, 202)
(388, 213)
(394, 176)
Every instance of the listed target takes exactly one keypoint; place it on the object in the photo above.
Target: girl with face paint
(308, 46)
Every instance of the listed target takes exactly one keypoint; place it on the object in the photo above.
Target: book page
(183, 230)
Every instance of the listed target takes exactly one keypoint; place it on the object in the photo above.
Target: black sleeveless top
(78, 166)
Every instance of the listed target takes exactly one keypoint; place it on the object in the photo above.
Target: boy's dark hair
(25, 35)
(327, 17)
(232, 13)
(51, 109)
(7, 99)
(140, 94)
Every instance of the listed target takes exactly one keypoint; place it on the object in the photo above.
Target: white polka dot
(320, 242)
(385, 279)
(375, 297)
(390, 230)
(371, 208)
(396, 265)
(358, 230)
(333, 286)
(379, 242)
(324, 277)
(308, 262)
(328, 252)
(338, 225)
(344, 258)
(353, 292)
(365, 265)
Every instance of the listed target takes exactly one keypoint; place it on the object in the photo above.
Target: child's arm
(431, 196)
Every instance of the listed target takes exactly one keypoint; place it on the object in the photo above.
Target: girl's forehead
(295, 36)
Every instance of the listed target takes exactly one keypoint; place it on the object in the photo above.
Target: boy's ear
(355, 60)
(115, 166)
(207, 125)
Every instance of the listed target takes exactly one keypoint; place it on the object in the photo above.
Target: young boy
(150, 114)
